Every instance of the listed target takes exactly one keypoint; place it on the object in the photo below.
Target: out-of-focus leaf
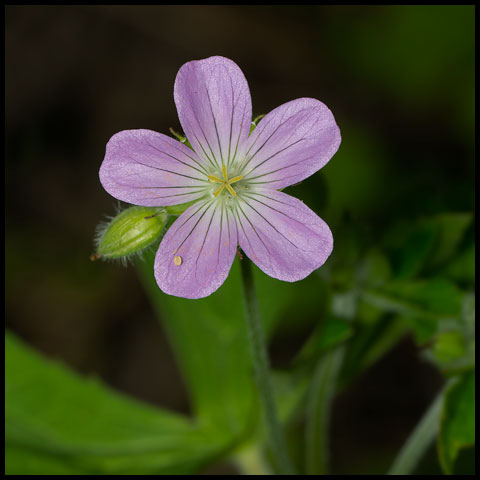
(330, 333)
(209, 337)
(427, 243)
(363, 156)
(342, 264)
(369, 343)
(422, 304)
(423, 327)
(462, 268)
(59, 422)
(285, 305)
(452, 228)
(453, 347)
(290, 388)
(210, 341)
(375, 269)
(457, 428)
(345, 304)
(436, 296)
(449, 346)
(415, 250)
(318, 412)
(468, 313)
(27, 461)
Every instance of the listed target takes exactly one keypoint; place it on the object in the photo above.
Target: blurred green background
(398, 196)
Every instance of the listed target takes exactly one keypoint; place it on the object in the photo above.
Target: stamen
(230, 189)
(213, 179)
(235, 179)
(220, 190)
(224, 171)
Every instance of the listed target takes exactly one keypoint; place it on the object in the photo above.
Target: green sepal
(179, 209)
(255, 123)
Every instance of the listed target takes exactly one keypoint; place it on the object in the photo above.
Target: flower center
(225, 183)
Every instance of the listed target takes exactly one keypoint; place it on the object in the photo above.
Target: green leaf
(318, 414)
(60, 422)
(426, 244)
(178, 209)
(209, 338)
(374, 270)
(462, 268)
(421, 304)
(27, 461)
(449, 346)
(452, 228)
(457, 428)
(415, 250)
(453, 347)
(210, 341)
(330, 333)
(369, 343)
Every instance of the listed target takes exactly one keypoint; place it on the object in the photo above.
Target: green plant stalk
(250, 461)
(319, 405)
(420, 439)
(262, 373)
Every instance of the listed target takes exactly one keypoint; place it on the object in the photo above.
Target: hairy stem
(262, 373)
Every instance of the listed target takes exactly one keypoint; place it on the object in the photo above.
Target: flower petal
(215, 109)
(281, 234)
(197, 252)
(150, 169)
(291, 143)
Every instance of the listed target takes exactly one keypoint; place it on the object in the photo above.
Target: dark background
(400, 82)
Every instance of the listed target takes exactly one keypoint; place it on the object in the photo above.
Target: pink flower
(233, 178)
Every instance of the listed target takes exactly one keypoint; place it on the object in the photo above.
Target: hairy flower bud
(130, 232)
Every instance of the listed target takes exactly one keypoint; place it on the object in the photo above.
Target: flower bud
(130, 232)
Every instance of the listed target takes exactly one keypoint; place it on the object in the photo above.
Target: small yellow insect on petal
(177, 260)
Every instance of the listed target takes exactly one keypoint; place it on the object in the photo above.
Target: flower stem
(262, 373)
(250, 461)
(420, 439)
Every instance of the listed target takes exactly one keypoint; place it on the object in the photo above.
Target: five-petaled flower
(233, 178)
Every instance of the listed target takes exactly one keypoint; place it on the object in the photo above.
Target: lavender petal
(281, 235)
(197, 252)
(291, 143)
(214, 107)
(147, 168)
